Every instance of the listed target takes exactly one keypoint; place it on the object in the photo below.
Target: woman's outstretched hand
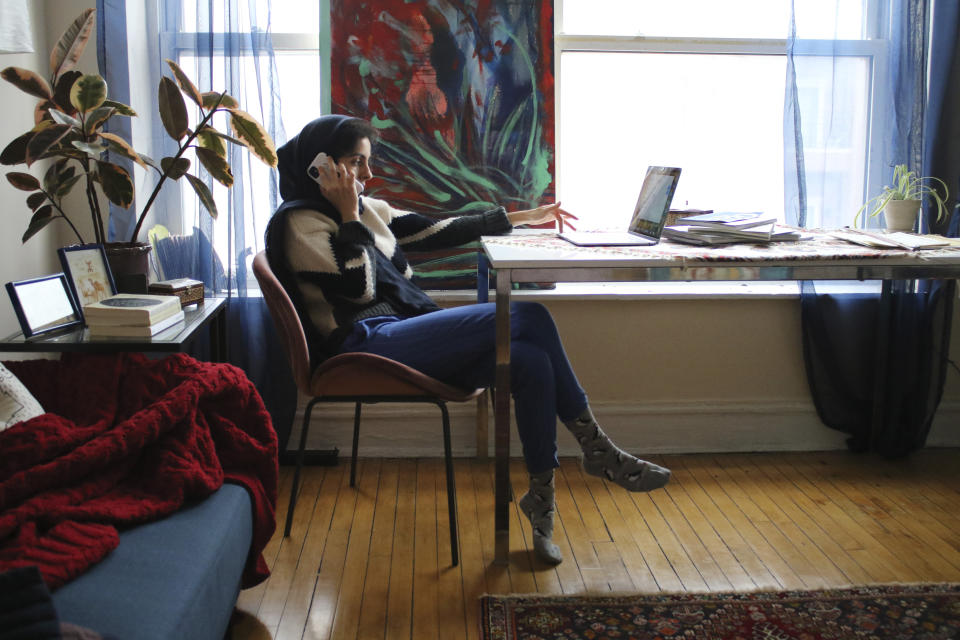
(337, 186)
(542, 215)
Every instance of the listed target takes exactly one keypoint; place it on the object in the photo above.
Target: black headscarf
(297, 188)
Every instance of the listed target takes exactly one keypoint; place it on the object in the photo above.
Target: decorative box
(188, 290)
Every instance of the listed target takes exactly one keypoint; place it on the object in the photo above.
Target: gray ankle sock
(604, 459)
(538, 506)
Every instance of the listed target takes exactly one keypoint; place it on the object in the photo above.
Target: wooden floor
(374, 562)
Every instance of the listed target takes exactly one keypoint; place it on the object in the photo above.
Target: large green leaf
(34, 200)
(45, 140)
(216, 165)
(116, 182)
(27, 81)
(43, 216)
(23, 181)
(121, 146)
(122, 109)
(254, 136)
(51, 176)
(175, 167)
(203, 193)
(61, 118)
(41, 112)
(210, 138)
(64, 187)
(88, 93)
(217, 100)
(173, 111)
(67, 51)
(61, 92)
(185, 83)
(96, 119)
(16, 151)
(92, 149)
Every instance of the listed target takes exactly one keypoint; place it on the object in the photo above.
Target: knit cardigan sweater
(340, 273)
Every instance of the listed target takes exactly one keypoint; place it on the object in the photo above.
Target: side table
(212, 315)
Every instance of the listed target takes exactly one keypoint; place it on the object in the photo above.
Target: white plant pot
(901, 215)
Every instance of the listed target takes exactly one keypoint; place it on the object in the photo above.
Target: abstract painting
(462, 94)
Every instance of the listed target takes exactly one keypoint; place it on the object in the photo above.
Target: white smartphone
(314, 172)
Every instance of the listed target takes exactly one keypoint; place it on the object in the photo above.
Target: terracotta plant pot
(130, 265)
(901, 215)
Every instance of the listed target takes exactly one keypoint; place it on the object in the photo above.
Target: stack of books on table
(729, 228)
(132, 315)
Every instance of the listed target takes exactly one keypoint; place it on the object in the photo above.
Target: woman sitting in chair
(340, 257)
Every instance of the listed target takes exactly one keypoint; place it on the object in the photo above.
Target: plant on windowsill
(69, 132)
(900, 202)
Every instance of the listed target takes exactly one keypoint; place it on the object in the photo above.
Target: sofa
(142, 494)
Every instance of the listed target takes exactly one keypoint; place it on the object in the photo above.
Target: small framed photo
(88, 273)
(44, 305)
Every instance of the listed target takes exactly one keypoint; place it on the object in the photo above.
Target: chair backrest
(286, 320)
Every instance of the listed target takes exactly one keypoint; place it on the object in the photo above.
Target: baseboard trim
(402, 430)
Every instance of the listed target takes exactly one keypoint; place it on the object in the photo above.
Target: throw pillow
(16, 403)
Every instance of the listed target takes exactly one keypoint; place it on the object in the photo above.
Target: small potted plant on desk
(69, 132)
(901, 201)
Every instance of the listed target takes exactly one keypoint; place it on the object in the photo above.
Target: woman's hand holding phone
(337, 185)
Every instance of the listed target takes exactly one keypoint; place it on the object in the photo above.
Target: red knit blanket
(127, 440)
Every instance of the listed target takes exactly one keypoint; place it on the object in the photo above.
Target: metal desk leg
(502, 422)
(483, 294)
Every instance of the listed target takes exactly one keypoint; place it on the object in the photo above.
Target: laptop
(649, 215)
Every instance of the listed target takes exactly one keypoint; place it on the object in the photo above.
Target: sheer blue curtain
(222, 46)
(868, 354)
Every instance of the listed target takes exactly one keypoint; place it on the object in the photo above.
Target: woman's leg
(457, 346)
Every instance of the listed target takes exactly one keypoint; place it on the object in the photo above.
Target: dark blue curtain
(224, 51)
(876, 364)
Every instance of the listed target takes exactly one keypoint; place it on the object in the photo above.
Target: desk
(212, 314)
(540, 257)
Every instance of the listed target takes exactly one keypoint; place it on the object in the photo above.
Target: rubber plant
(70, 118)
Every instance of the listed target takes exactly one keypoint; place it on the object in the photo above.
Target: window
(296, 38)
(695, 84)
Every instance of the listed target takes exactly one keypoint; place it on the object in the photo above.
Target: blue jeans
(457, 346)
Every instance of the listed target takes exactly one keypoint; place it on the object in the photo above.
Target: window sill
(662, 291)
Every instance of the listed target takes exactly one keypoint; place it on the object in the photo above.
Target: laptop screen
(656, 194)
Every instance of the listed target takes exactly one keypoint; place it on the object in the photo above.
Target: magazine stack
(729, 228)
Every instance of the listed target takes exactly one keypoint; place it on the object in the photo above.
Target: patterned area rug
(878, 612)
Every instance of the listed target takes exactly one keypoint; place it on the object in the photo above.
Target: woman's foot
(538, 506)
(604, 459)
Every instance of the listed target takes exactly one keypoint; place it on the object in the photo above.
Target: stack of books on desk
(127, 315)
(729, 228)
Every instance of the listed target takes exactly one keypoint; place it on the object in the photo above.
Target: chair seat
(367, 374)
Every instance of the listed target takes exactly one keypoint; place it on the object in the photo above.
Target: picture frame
(88, 273)
(44, 305)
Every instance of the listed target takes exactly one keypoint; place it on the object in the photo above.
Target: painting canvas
(462, 94)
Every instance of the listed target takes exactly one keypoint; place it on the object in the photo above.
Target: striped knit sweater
(342, 273)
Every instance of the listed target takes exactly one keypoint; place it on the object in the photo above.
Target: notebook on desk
(649, 215)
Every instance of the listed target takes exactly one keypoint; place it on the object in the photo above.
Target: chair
(361, 378)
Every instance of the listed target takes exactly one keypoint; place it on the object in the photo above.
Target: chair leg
(296, 472)
(356, 438)
(451, 487)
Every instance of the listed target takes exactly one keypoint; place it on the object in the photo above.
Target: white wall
(663, 376)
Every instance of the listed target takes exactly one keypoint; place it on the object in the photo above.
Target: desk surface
(196, 317)
(821, 257)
